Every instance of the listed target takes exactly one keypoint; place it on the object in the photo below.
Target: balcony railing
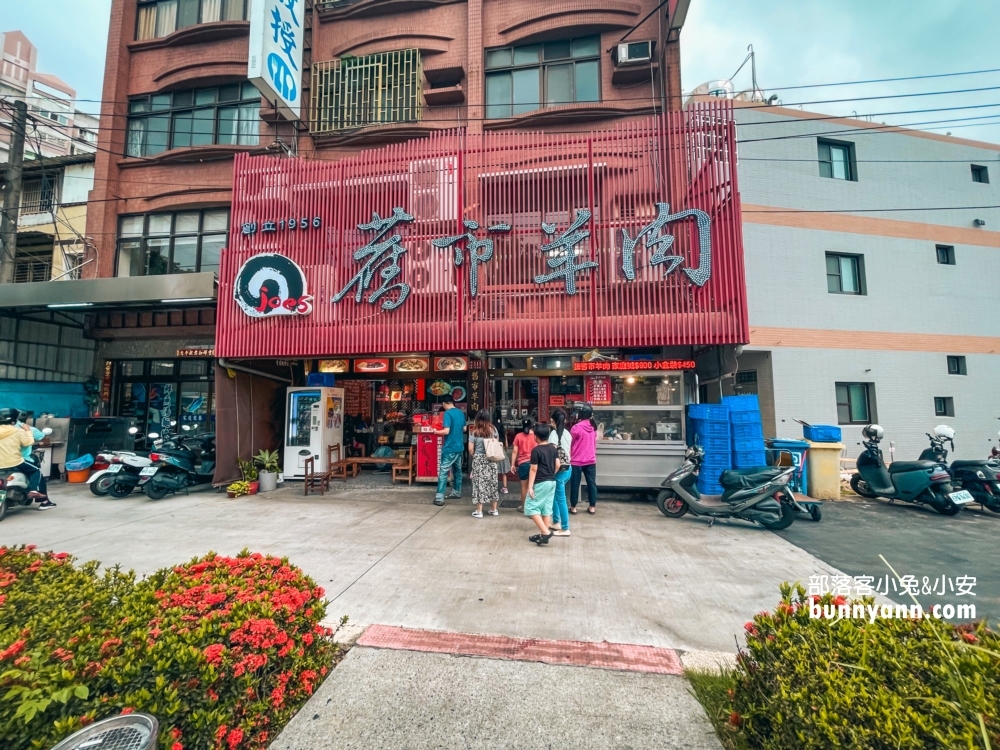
(357, 92)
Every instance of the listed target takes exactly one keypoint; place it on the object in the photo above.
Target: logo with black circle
(269, 285)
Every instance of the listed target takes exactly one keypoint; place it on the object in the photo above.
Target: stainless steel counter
(634, 463)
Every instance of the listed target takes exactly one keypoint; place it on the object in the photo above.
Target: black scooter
(924, 482)
(980, 477)
(177, 467)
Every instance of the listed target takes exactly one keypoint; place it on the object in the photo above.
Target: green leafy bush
(806, 682)
(221, 650)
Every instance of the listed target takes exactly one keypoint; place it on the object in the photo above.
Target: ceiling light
(70, 304)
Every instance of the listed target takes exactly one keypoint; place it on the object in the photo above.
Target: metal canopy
(95, 294)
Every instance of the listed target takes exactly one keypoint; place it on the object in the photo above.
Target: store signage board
(277, 36)
(196, 352)
(334, 365)
(411, 364)
(451, 364)
(598, 389)
(270, 285)
(657, 365)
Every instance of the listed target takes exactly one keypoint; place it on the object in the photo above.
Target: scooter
(924, 482)
(14, 485)
(119, 462)
(759, 494)
(178, 467)
(981, 477)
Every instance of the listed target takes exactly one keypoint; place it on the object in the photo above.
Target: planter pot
(254, 487)
(230, 495)
(268, 481)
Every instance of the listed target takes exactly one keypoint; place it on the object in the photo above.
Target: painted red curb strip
(604, 655)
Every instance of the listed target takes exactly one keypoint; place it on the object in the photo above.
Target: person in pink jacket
(583, 457)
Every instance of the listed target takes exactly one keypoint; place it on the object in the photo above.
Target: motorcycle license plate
(114, 468)
(961, 497)
(148, 471)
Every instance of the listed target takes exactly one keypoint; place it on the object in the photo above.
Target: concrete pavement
(627, 575)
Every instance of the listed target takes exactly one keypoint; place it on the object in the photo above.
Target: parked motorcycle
(178, 465)
(123, 464)
(924, 482)
(14, 484)
(759, 494)
(981, 477)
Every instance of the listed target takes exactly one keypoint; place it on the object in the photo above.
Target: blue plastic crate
(745, 417)
(711, 474)
(714, 444)
(742, 445)
(709, 488)
(746, 459)
(714, 412)
(322, 379)
(719, 461)
(741, 431)
(709, 429)
(822, 433)
(749, 402)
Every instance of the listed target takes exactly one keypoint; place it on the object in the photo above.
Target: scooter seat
(746, 479)
(897, 467)
(976, 464)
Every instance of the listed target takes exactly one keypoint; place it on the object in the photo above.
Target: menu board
(598, 390)
(358, 398)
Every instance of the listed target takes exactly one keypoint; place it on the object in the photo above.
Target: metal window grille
(38, 195)
(31, 268)
(356, 92)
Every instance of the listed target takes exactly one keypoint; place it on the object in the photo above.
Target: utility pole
(12, 194)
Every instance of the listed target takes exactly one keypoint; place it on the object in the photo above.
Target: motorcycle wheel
(946, 507)
(816, 513)
(153, 492)
(670, 505)
(783, 521)
(860, 487)
(120, 491)
(102, 486)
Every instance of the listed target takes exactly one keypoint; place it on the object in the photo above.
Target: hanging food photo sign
(269, 285)
(451, 364)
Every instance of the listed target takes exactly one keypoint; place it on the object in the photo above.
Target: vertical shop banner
(598, 390)
(543, 399)
(277, 35)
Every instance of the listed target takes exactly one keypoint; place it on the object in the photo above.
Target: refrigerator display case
(314, 421)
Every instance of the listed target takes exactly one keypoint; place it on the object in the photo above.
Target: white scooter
(131, 462)
(14, 484)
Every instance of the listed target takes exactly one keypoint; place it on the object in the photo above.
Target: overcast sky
(797, 42)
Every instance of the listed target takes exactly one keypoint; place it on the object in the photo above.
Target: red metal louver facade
(685, 159)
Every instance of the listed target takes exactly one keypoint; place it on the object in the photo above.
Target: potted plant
(268, 463)
(238, 489)
(249, 472)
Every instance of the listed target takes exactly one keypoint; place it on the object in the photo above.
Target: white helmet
(873, 432)
(944, 431)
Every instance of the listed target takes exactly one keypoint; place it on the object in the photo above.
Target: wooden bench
(341, 468)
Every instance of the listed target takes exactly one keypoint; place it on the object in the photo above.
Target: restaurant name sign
(378, 280)
(669, 365)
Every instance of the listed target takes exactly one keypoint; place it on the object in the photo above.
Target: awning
(95, 294)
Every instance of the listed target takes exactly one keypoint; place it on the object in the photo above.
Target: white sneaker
(494, 513)
(477, 514)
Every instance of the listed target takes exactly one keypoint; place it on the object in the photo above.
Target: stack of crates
(708, 426)
(746, 430)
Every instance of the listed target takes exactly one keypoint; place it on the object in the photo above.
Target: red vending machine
(428, 445)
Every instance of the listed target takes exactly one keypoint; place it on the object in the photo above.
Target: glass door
(516, 399)
(300, 405)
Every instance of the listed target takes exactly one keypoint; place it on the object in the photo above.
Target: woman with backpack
(563, 440)
(485, 488)
(584, 457)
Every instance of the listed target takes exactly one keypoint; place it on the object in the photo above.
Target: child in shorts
(542, 484)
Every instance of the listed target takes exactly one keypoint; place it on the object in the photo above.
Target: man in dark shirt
(542, 484)
(451, 450)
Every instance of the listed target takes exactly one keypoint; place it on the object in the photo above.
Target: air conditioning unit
(634, 53)
(434, 189)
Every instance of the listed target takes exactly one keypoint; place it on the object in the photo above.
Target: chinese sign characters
(635, 366)
(276, 40)
(379, 280)
(597, 390)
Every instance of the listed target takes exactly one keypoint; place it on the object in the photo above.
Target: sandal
(573, 511)
(591, 510)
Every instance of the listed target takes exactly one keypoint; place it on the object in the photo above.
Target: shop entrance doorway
(514, 399)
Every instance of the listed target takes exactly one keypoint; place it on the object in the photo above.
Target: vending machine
(314, 420)
(428, 445)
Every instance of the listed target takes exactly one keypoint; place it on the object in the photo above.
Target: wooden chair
(315, 480)
(405, 471)
(340, 468)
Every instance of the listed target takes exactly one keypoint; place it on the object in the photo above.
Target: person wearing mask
(524, 443)
(484, 471)
(584, 458)
(562, 439)
(451, 450)
(14, 440)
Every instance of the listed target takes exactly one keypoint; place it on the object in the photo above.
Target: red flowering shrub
(222, 650)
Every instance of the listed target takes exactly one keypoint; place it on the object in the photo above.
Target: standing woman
(484, 472)
(563, 440)
(584, 457)
(503, 467)
(524, 443)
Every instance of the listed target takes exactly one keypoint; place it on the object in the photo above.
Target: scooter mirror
(47, 431)
(153, 435)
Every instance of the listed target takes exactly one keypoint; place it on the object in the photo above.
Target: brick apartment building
(179, 108)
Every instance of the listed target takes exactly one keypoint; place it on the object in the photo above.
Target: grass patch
(714, 690)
